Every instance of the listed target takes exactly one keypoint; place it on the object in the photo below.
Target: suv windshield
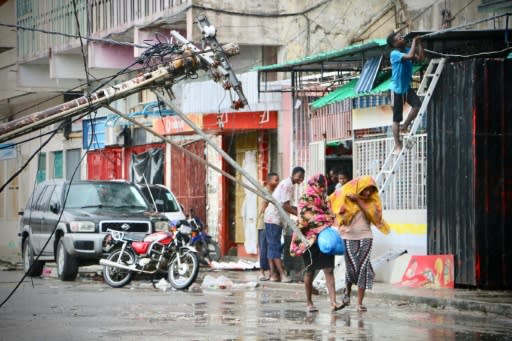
(112, 194)
(164, 200)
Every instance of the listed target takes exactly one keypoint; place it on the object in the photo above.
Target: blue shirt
(401, 74)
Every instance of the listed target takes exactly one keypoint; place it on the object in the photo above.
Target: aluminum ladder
(426, 89)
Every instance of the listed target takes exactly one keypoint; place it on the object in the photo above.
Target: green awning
(347, 91)
(352, 52)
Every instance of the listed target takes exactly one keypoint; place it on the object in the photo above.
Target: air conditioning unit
(114, 135)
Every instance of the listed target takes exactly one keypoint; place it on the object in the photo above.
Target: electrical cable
(13, 144)
(51, 235)
(101, 40)
(84, 58)
(463, 8)
(486, 53)
(72, 176)
(476, 22)
(29, 159)
(261, 15)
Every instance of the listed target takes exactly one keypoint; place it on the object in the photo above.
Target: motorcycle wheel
(213, 251)
(116, 277)
(181, 276)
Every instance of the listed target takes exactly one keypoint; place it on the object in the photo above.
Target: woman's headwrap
(345, 209)
(313, 206)
(314, 214)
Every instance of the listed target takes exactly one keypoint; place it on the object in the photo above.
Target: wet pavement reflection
(91, 310)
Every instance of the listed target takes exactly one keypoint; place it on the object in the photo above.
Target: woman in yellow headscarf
(357, 206)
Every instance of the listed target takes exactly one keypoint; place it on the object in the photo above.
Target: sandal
(312, 309)
(263, 278)
(346, 298)
(361, 308)
(338, 307)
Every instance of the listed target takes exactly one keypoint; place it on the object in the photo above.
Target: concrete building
(40, 70)
(334, 126)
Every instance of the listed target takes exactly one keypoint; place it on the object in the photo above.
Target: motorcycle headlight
(162, 226)
(185, 229)
(82, 226)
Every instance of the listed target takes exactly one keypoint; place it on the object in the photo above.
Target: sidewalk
(484, 301)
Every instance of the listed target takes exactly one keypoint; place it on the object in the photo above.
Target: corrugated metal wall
(188, 178)
(469, 189)
(334, 120)
(105, 164)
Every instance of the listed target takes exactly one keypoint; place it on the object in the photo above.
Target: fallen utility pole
(185, 60)
(95, 100)
(164, 73)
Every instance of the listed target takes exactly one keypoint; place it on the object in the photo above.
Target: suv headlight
(82, 226)
(162, 226)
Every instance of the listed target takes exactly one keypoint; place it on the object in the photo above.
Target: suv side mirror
(55, 207)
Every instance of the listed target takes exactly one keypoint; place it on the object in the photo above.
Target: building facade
(40, 70)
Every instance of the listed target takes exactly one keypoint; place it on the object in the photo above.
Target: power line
(54, 228)
(262, 15)
(486, 53)
(476, 22)
(84, 58)
(102, 40)
(463, 8)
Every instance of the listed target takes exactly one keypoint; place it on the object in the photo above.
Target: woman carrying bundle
(357, 206)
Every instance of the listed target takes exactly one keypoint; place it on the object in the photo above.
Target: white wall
(408, 231)
(213, 190)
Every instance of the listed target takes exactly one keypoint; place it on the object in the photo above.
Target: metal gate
(408, 188)
(316, 158)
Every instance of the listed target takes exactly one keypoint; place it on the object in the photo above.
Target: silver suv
(73, 229)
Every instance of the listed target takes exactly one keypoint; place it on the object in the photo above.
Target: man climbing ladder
(401, 64)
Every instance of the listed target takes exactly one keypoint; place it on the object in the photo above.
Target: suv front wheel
(31, 267)
(67, 267)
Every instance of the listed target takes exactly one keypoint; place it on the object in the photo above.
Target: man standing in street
(401, 76)
(283, 194)
(270, 185)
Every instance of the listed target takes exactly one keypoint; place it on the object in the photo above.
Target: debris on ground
(238, 265)
(223, 282)
(163, 284)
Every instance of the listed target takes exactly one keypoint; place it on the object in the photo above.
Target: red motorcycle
(159, 252)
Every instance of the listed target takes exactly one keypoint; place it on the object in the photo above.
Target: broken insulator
(227, 85)
(237, 105)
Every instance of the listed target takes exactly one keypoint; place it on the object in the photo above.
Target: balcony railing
(97, 18)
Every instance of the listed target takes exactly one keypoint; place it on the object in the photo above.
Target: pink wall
(284, 134)
(106, 56)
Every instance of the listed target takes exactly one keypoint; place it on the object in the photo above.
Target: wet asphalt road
(90, 310)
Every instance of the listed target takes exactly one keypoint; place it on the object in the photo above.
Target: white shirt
(282, 194)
